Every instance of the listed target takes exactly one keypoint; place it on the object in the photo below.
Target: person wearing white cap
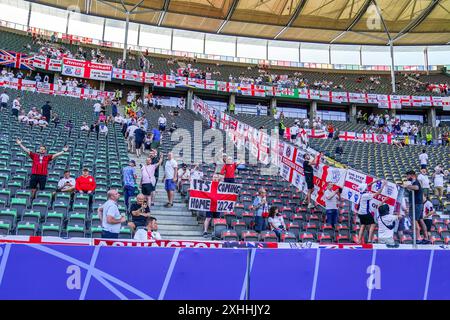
(364, 214)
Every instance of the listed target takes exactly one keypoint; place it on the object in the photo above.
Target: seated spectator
(22, 117)
(43, 123)
(103, 129)
(173, 128)
(150, 232)
(85, 127)
(66, 183)
(56, 119)
(140, 212)
(69, 125)
(184, 175)
(85, 183)
(276, 222)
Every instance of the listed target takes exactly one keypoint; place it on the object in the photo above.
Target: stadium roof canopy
(377, 22)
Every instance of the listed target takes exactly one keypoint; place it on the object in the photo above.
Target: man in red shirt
(85, 183)
(39, 169)
(228, 170)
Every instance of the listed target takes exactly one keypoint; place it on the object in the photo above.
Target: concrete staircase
(177, 222)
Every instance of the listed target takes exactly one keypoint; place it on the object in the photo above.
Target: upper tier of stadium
(341, 21)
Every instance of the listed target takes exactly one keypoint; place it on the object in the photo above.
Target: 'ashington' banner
(213, 196)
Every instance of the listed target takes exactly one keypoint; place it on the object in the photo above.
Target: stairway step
(178, 228)
(191, 238)
(186, 222)
(182, 233)
(180, 217)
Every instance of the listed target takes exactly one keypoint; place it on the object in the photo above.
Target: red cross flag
(213, 196)
(347, 136)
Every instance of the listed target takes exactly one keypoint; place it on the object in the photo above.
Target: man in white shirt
(196, 174)
(438, 184)
(424, 181)
(97, 109)
(130, 136)
(85, 127)
(365, 214)
(150, 232)
(294, 131)
(162, 122)
(16, 107)
(4, 98)
(331, 204)
(110, 216)
(184, 174)
(170, 178)
(386, 228)
(103, 129)
(428, 212)
(119, 119)
(423, 157)
(67, 183)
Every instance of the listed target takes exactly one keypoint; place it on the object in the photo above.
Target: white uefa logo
(374, 19)
(74, 8)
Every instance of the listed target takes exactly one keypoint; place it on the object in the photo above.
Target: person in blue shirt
(156, 138)
(129, 181)
(261, 207)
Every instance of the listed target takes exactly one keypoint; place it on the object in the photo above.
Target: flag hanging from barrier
(213, 196)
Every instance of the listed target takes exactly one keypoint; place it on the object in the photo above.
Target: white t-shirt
(97, 107)
(85, 128)
(162, 120)
(184, 175)
(110, 208)
(364, 203)
(439, 180)
(383, 231)
(4, 98)
(277, 221)
(143, 235)
(131, 129)
(169, 168)
(423, 157)
(62, 183)
(16, 104)
(332, 203)
(294, 130)
(427, 208)
(196, 175)
(103, 129)
(424, 181)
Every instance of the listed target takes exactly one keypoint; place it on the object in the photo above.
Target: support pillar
(145, 91)
(353, 113)
(189, 99)
(272, 106)
(125, 44)
(232, 101)
(313, 110)
(394, 90)
(432, 117)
